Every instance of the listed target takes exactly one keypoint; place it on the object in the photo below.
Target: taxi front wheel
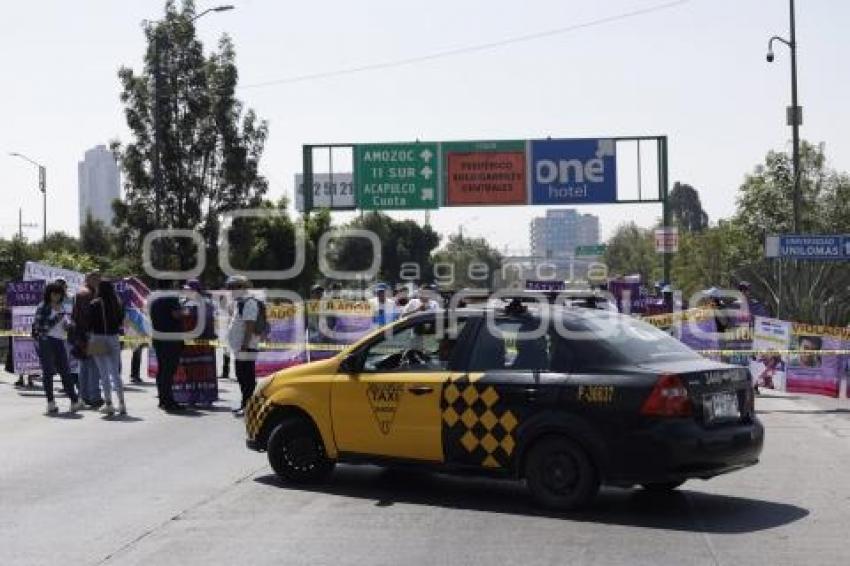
(560, 474)
(296, 452)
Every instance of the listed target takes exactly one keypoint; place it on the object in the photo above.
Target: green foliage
(460, 253)
(95, 237)
(711, 258)
(14, 254)
(210, 143)
(632, 250)
(798, 290)
(686, 208)
(402, 241)
(71, 260)
(57, 242)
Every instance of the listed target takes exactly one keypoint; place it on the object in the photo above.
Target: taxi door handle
(420, 389)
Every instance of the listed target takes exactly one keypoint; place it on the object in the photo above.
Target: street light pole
(794, 113)
(42, 184)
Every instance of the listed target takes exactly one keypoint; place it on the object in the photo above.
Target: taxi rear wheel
(560, 474)
(296, 452)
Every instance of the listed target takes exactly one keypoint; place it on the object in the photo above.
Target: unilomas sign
(573, 171)
(815, 247)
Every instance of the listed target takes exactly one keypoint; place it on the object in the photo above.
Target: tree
(210, 143)
(632, 250)
(711, 258)
(814, 292)
(71, 260)
(14, 254)
(95, 237)
(686, 208)
(58, 242)
(269, 244)
(460, 253)
(402, 242)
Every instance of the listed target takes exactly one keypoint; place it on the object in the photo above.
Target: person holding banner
(166, 317)
(49, 331)
(383, 308)
(195, 380)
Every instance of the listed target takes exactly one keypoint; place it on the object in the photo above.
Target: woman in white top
(50, 329)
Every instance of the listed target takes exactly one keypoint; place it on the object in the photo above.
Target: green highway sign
(396, 176)
(588, 251)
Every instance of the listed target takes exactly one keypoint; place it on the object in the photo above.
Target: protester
(755, 307)
(243, 339)
(136, 365)
(383, 308)
(105, 317)
(224, 306)
(89, 379)
(166, 317)
(196, 384)
(400, 296)
(49, 330)
(425, 300)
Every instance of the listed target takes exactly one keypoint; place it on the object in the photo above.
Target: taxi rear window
(579, 343)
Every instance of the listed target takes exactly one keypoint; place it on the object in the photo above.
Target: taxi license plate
(722, 406)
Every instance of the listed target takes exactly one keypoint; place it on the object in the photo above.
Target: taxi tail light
(669, 398)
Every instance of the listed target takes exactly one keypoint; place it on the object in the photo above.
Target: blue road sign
(573, 171)
(816, 247)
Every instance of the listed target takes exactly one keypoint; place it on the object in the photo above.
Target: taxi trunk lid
(719, 393)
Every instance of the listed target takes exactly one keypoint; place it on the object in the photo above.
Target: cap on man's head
(317, 289)
(193, 285)
(61, 281)
(236, 282)
(744, 286)
(381, 287)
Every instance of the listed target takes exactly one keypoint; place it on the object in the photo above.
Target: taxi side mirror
(351, 364)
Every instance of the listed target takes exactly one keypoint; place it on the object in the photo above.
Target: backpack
(261, 325)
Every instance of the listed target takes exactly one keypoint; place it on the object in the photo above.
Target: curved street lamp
(42, 183)
(794, 113)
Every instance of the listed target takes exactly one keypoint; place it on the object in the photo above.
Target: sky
(694, 71)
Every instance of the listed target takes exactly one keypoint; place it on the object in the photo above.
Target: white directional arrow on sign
(426, 172)
(426, 155)
(427, 193)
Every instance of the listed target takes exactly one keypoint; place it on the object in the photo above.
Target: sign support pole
(665, 207)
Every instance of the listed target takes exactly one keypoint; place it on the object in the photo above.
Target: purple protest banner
(23, 297)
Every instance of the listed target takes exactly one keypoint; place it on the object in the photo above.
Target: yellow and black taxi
(565, 398)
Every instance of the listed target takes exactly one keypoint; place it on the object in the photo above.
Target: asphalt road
(157, 489)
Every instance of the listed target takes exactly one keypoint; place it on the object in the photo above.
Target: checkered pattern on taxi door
(477, 428)
(255, 414)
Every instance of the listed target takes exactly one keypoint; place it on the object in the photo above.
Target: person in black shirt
(105, 315)
(166, 316)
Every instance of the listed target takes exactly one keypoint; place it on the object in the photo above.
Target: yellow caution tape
(140, 340)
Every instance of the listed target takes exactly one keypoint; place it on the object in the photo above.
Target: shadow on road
(682, 510)
(122, 419)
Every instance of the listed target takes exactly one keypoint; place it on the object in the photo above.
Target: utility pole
(794, 113)
(42, 183)
(796, 117)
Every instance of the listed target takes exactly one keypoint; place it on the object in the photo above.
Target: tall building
(556, 235)
(99, 184)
